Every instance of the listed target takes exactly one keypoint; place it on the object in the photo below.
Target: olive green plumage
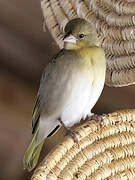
(32, 154)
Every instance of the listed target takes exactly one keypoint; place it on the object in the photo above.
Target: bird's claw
(99, 119)
(72, 134)
(69, 132)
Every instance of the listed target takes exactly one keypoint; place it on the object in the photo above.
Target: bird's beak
(70, 39)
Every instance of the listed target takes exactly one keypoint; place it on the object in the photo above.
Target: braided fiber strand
(107, 153)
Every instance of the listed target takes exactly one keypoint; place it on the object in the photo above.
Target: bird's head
(79, 33)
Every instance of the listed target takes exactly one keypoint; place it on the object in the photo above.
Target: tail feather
(44, 129)
(32, 153)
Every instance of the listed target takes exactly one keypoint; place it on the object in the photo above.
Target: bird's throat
(71, 46)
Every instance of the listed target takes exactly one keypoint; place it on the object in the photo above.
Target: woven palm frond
(107, 153)
(115, 23)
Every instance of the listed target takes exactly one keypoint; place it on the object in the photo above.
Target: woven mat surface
(107, 153)
(115, 23)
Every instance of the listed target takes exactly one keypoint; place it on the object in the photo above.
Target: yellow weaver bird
(70, 86)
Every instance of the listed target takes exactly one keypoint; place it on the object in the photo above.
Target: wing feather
(36, 114)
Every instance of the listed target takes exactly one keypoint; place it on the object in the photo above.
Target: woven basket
(115, 23)
(107, 153)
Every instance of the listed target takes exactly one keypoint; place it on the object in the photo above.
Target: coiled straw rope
(115, 23)
(107, 153)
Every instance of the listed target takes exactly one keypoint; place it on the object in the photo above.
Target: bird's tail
(32, 153)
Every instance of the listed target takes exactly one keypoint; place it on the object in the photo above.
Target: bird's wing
(36, 109)
(36, 114)
(36, 117)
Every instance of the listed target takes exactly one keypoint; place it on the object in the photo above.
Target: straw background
(107, 153)
(115, 23)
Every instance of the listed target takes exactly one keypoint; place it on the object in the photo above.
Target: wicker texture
(115, 23)
(107, 153)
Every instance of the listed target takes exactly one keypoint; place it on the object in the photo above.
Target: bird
(69, 87)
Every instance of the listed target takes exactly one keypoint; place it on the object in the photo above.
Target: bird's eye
(81, 35)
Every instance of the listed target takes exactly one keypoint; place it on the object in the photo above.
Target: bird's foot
(99, 119)
(72, 134)
(69, 132)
